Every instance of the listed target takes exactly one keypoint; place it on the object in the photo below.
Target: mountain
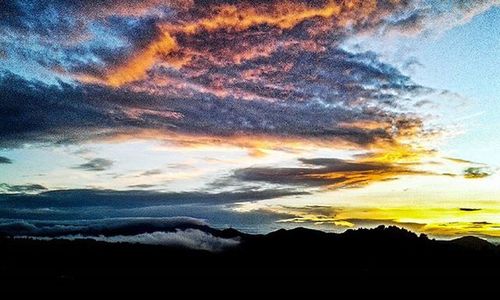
(473, 243)
(383, 253)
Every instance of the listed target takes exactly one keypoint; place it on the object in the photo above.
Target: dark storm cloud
(96, 164)
(5, 160)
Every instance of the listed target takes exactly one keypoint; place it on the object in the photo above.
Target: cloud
(96, 164)
(107, 212)
(189, 238)
(144, 217)
(460, 161)
(71, 121)
(435, 221)
(253, 74)
(339, 116)
(239, 72)
(151, 172)
(469, 209)
(476, 173)
(47, 114)
(23, 188)
(5, 160)
(80, 201)
(99, 227)
(434, 16)
(142, 186)
(278, 19)
(52, 19)
(329, 173)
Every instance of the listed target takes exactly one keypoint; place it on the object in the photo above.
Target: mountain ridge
(295, 254)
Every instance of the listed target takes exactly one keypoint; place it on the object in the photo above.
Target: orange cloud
(284, 16)
(137, 67)
(329, 173)
(256, 143)
(233, 18)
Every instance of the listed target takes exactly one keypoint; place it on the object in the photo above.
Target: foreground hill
(387, 253)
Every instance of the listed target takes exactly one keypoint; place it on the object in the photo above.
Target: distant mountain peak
(473, 242)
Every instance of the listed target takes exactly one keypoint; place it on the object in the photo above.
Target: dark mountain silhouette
(383, 253)
(473, 243)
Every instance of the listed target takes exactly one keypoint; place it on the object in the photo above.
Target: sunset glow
(257, 115)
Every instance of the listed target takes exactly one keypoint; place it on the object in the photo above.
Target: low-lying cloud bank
(99, 227)
(183, 232)
(189, 238)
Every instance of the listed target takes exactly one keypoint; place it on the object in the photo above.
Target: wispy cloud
(476, 172)
(151, 172)
(469, 209)
(75, 200)
(5, 160)
(22, 188)
(96, 164)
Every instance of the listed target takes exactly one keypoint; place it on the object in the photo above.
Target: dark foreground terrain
(384, 254)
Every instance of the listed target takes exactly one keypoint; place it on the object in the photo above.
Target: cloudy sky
(257, 115)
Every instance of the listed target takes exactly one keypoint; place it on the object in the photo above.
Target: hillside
(298, 254)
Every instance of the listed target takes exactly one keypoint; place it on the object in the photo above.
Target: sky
(256, 115)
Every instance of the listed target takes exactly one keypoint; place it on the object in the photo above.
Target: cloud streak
(77, 200)
(95, 165)
(476, 173)
(22, 188)
(189, 238)
(98, 227)
(5, 160)
(329, 173)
